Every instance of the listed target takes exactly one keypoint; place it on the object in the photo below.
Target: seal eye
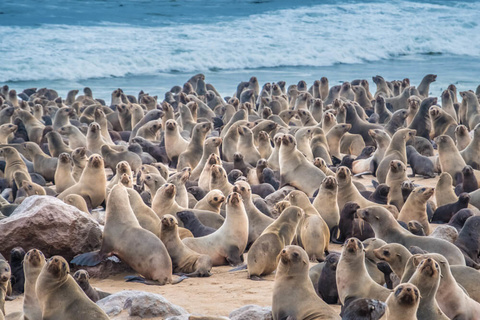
(386, 253)
(215, 199)
(399, 290)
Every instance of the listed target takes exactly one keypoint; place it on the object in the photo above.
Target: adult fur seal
(262, 256)
(451, 297)
(92, 184)
(353, 280)
(295, 169)
(59, 295)
(123, 235)
(227, 244)
(326, 202)
(427, 279)
(294, 296)
(395, 151)
(389, 230)
(415, 208)
(312, 231)
(33, 265)
(402, 304)
(184, 259)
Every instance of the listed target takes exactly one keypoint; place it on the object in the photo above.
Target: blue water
(153, 45)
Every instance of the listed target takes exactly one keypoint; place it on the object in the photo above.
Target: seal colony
(267, 180)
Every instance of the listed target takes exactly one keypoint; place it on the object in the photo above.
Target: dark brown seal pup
(458, 220)
(421, 122)
(364, 309)
(16, 266)
(349, 226)
(466, 180)
(469, 239)
(81, 277)
(444, 213)
(191, 222)
(421, 165)
(327, 283)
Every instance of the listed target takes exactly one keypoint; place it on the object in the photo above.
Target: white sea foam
(321, 35)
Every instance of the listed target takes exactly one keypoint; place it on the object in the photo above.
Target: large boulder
(252, 312)
(140, 304)
(50, 225)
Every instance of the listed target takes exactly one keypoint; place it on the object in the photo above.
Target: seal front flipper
(140, 279)
(239, 268)
(235, 257)
(89, 259)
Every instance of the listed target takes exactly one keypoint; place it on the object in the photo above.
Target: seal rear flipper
(334, 235)
(375, 183)
(470, 263)
(89, 259)
(256, 278)
(239, 268)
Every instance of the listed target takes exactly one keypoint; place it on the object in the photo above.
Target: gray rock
(251, 312)
(50, 225)
(140, 304)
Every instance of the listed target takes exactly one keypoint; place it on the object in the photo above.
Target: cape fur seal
(294, 296)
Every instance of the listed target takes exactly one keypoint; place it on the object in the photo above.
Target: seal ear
(377, 217)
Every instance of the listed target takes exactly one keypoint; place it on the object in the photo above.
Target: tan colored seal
(294, 296)
(257, 221)
(444, 193)
(63, 175)
(13, 164)
(388, 229)
(427, 279)
(312, 231)
(32, 265)
(184, 259)
(395, 151)
(402, 304)
(92, 184)
(353, 280)
(415, 208)
(295, 169)
(76, 201)
(262, 256)
(140, 249)
(60, 296)
(397, 174)
(227, 244)
(326, 202)
(212, 201)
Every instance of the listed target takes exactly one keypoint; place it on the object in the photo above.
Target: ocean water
(154, 45)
